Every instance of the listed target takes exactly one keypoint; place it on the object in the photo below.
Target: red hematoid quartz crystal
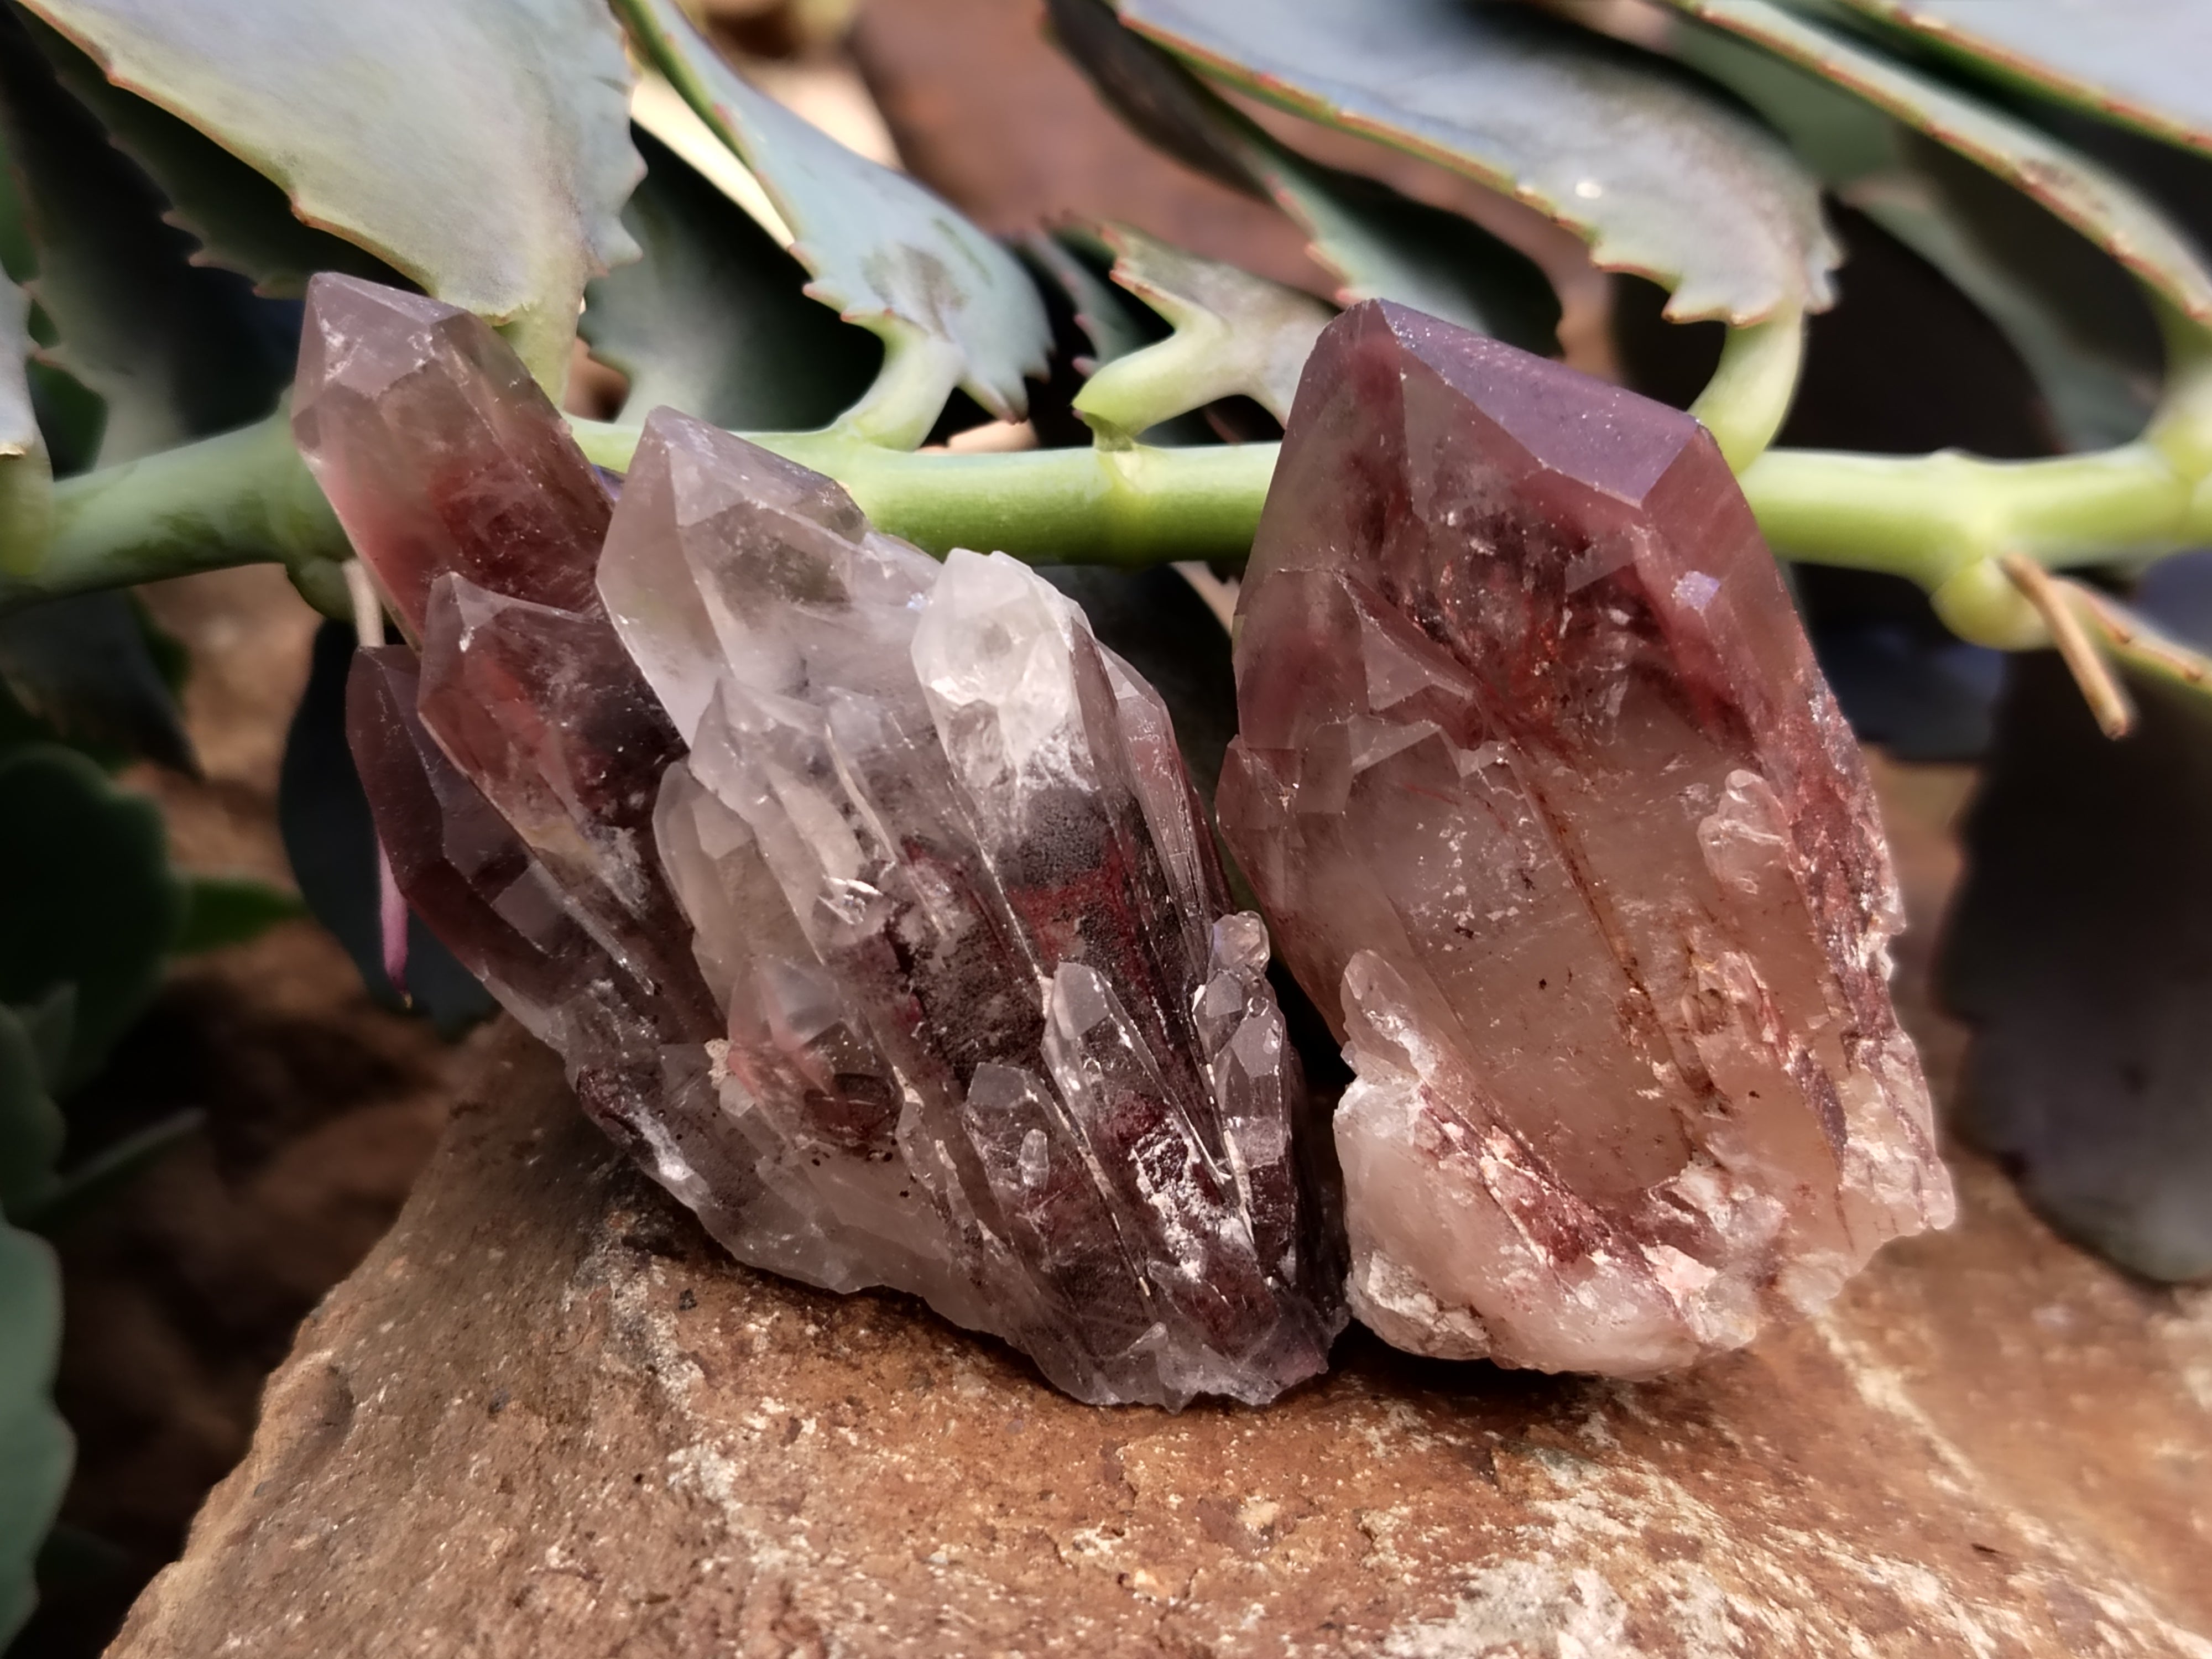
(1554, 817)
(865, 897)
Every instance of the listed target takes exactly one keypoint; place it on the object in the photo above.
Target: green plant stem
(246, 498)
(918, 374)
(1924, 516)
(1135, 506)
(242, 498)
(1745, 403)
(1942, 520)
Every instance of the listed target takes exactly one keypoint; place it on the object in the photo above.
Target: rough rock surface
(548, 1417)
(1553, 816)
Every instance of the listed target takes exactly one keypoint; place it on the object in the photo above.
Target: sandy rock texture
(546, 1417)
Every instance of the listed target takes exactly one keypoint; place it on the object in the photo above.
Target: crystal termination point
(1556, 821)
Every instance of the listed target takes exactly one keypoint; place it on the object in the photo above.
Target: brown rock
(547, 1418)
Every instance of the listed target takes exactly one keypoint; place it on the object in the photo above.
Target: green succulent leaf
(83, 671)
(92, 901)
(2140, 62)
(1376, 241)
(31, 1126)
(35, 1448)
(2075, 318)
(1235, 335)
(1382, 244)
(34, 1445)
(951, 306)
(479, 147)
(26, 476)
(224, 910)
(1102, 316)
(2073, 315)
(242, 221)
(172, 349)
(715, 320)
(1659, 177)
(86, 1186)
(2097, 203)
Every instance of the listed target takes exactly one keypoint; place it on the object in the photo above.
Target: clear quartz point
(1554, 818)
(950, 878)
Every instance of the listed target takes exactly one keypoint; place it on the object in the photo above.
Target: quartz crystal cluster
(1555, 819)
(866, 898)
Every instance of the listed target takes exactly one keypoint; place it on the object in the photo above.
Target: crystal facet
(866, 898)
(988, 1022)
(1556, 821)
(438, 453)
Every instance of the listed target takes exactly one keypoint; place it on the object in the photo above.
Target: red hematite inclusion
(1555, 819)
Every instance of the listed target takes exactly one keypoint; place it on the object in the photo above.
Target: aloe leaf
(479, 147)
(951, 306)
(1661, 178)
(1235, 335)
(92, 901)
(2074, 316)
(713, 320)
(2140, 62)
(1376, 241)
(2096, 202)
(173, 350)
(26, 476)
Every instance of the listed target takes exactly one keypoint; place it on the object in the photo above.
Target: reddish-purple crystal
(875, 914)
(438, 451)
(1554, 817)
